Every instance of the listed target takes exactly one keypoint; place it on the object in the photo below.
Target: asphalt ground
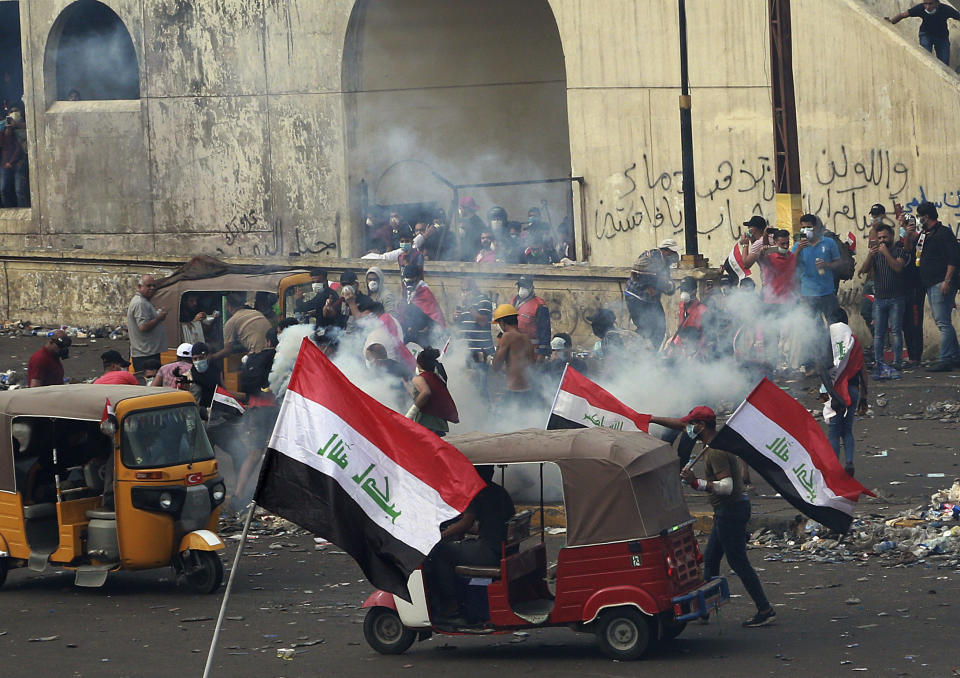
(856, 616)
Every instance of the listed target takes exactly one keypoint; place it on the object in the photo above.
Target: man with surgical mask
(723, 483)
(817, 258)
(406, 253)
(419, 312)
(46, 367)
(533, 317)
(378, 291)
(314, 306)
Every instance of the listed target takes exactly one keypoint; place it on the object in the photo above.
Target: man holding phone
(886, 259)
(817, 259)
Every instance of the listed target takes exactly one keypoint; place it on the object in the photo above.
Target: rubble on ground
(23, 328)
(924, 535)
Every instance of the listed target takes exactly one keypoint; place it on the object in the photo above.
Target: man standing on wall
(938, 258)
(934, 34)
(145, 325)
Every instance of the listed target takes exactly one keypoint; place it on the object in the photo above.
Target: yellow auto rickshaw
(98, 478)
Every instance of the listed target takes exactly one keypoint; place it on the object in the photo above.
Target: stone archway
(460, 92)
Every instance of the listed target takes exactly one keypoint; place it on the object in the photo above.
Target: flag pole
(556, 397)
(693, 463)
(226, 593)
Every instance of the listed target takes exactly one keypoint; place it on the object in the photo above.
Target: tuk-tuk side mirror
(108, 426)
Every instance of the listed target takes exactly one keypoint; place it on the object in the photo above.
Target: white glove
(412, 412)
(418, 240)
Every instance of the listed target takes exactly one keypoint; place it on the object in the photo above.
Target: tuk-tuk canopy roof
(617, 485)
(70, 401)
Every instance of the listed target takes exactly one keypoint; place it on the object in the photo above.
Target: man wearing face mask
(419, 312)
(378, 291)
(204, 376)
(45, 367)
(649, 279)
(938, 260)
(469, 226)
(731, 508)
(406, 253)
(322, 293)
(934, 34)
(817, 258)
(533, 317)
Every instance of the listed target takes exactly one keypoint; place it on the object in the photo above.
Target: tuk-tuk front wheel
(385, 633)
(623, 633)
(203, 571)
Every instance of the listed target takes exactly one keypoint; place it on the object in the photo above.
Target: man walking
(938, 256)
(934, 33)
(731, 508)
(886, 259)
(145, 325)
(46, 367)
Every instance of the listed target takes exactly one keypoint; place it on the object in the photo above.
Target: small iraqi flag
(775, 435)
(108, 411)
(355, 472)
(735, 262)
(580, 403)
(224, 406)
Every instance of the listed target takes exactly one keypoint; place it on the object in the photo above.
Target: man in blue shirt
(817, 259)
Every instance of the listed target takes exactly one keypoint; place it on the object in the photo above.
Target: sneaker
(940, 367)
(760, 619)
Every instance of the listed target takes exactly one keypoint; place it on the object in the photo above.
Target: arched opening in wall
(443, 96)
(91, 55)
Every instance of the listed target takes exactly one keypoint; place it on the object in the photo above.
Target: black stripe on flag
(557, 422)
(315, 502)
(731, 441)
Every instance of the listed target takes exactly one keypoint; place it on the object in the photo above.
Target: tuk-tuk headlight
(217, 493)
(165, 500)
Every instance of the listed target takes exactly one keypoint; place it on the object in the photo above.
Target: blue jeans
(729, 538)
(15, 187)
(841, 428)
(941, 306)
(888, 313)
(939, 45)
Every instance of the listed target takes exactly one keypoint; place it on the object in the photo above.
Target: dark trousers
(913, 322)
(729, 538)
(445, 556)
(651, 323)
(938, 45)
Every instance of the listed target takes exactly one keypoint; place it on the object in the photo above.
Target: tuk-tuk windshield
(164, 437)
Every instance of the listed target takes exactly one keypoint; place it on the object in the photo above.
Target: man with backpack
(818, 259)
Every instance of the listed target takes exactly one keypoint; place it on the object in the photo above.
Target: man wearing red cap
(731, 508)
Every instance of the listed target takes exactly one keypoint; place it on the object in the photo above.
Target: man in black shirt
(490, 510)
(886, 259)
(938, 258)
(317, 305)
(934, 34)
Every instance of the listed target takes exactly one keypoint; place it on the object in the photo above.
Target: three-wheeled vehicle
(96, 492)
(630, 571)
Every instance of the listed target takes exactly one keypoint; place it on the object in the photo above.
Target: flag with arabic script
(776, 435)
(581, 403)
(353, 471)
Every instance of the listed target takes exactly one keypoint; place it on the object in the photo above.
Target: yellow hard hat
(504, 311)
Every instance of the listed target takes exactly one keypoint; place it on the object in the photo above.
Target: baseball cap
(669, 244)
(877, 208)
(756, 221)
(700, 413)
(113, 357)
(348, 278)
(525, 281)
(185, 350)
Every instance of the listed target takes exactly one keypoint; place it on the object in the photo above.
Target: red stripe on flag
(420, 452)
(781, 408)
(578, 385)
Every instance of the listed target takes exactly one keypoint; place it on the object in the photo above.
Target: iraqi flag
(580, 403)
(224, 406)
(357, 473)
(735, 262)
(847, 359)
(775, 435)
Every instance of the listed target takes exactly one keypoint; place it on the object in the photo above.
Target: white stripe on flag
(580, 411)
(227, 400)
(759, 432)
(304, 429)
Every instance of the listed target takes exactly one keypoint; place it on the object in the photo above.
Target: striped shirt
(478, 335)
(887, 283)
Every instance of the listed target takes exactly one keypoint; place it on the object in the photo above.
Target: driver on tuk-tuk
(488, 512)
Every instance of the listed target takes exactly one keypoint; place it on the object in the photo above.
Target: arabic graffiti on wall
(243, 237)
(841, 187)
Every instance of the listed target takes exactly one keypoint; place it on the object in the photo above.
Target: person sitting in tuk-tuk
(488, 513)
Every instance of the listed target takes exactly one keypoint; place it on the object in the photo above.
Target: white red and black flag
(224, 406)
(735, 262)
(776, 435)
(357, 473)
(580, 403)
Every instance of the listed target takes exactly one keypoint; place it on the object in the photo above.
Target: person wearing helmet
(419, 312)
(514, 357)
(731, 507)
(497, 218)
(534, 317)
(166, 375)
(649, 279)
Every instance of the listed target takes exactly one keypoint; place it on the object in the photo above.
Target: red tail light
(671, 566)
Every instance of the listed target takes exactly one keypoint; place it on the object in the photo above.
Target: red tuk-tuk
(630, 571)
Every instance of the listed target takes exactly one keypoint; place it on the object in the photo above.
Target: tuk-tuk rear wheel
(623, 633)
(207, 574)
(385, 633)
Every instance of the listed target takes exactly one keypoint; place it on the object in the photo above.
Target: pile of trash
(924, 534)
(23, 328)
(946, 411)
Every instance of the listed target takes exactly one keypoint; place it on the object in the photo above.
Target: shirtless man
(514, 356)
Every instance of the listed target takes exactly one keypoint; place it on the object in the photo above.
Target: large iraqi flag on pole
(775, 435)
(581, 403)
(357, 473)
